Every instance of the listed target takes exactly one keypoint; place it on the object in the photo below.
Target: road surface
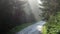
(33, 29)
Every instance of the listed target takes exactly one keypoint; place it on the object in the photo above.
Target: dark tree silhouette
(12, 14)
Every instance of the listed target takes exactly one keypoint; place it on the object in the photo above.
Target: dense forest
(52, 15)
(12, 14)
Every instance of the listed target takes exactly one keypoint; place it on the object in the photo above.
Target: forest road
(33, 29)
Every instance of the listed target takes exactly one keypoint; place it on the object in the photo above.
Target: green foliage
(53, 24)
(44, 30)
(51, 11)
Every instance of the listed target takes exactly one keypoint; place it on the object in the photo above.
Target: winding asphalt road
(33, 29)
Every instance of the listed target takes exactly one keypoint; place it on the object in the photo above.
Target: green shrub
(53, 24)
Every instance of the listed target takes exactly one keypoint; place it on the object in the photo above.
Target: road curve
(33, 29)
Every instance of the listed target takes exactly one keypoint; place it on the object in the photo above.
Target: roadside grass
(44, 30)
(19, 28)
